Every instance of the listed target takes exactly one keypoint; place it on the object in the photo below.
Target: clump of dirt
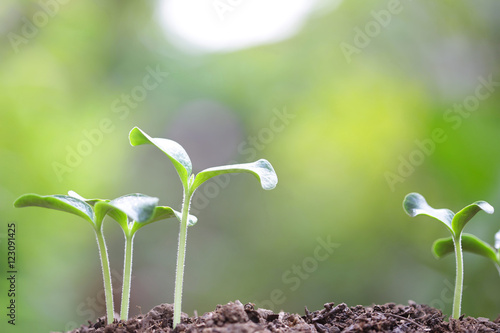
(238, 318)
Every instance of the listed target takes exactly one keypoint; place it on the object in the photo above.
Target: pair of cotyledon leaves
(261, 169)
(142, 208)
(126, 209)
(415, 204)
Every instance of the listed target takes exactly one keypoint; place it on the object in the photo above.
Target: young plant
(261, 169)
(138, 210)
(414, 204)
(92, 214)
(472, 244)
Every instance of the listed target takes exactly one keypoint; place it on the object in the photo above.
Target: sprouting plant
(414, 204)
(472, 244)
(261, 169)
(134, 211)
(92, 214)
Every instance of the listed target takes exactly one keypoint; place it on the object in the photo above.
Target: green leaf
(172, 149)
(63, 203)
(89, 201)
(261, 169)
(163, 213)
(462, 217)
(192, 220)
(100, 211)
(470, 243)
(138, 207)
(443, 246)
(414, 204)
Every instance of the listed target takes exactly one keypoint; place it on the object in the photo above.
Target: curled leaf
(172, 149)
(261, 169)
(462, 217)
(415, 204)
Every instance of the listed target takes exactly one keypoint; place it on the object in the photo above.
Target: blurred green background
(361, 104)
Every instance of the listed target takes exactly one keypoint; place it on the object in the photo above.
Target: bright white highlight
(227, 25)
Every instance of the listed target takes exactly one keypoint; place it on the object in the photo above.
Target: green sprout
(138, 211)
(132, 212)
(261, 169)
(94, 214)
(472, 244)
(414, 204)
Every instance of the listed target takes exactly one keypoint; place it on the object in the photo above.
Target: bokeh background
(355, 104)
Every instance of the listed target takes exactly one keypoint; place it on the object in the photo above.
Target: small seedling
(138, 211)
(261, 169)
(132, 212)
(472, 244)
(414, 204)
(92, 214)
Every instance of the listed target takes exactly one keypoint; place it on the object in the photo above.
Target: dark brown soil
(236, 317)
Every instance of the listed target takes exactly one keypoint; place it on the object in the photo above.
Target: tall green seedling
(414, 204)
(94, 214)
(261, 169)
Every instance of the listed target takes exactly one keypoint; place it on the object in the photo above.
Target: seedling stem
(181, 257)
(459, 280)
(127, 276)
(106, 275)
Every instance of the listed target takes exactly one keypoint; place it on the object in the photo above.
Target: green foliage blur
(354, 111)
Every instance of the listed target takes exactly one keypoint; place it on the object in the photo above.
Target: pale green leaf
(138, 207)
(100, 211)
(172, 149)
(462, 217)
(63, 203)
(261, 169)
(414, 204)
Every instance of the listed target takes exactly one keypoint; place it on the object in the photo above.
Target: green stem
(106, 274)
(181, 255)
(127, 276)
(459, 281)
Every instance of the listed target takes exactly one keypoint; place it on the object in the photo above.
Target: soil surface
(238, 318)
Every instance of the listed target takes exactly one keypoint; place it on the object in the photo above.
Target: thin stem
(106, 274)
(181, 255)
(459, 281)
(127, 276)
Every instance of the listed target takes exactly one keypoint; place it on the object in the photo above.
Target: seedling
(137, 211)
(261, 169)
(94, 215)
(472, 244)
(414, 204)
(132, 212)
